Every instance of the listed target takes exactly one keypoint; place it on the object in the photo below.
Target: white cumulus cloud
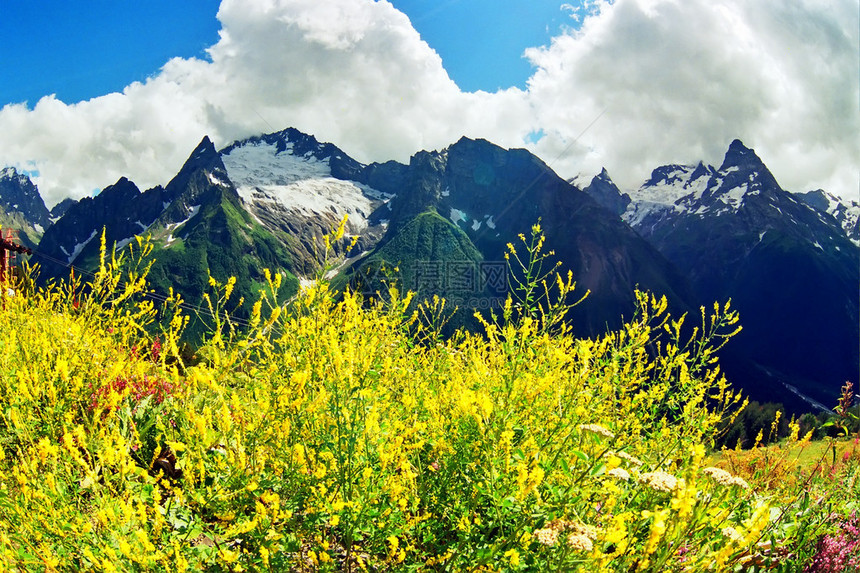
(676, 81)
(645, 82)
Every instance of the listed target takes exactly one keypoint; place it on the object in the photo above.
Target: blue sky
(83, 49)
(481, 42)
(628, 85)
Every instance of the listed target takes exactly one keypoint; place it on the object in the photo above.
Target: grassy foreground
(336, 434)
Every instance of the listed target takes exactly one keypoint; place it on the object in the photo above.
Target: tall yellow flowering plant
(335, 433)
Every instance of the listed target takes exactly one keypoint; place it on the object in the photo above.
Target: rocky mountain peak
(701, 170)
(425, 185)
(203, 156)
(60, 208)
(18, 194)
(846, 212)
(743, 172)
(603, 190)
(202, 170)
(667, 175)
(742, 157)
(293, 142)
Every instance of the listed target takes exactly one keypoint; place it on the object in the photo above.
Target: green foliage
(334, 433)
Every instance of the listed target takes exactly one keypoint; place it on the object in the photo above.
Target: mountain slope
(442, 223)
(602, 189)
(491, 195)
(790, 271)
(300, 189)
(846, 213)
(197, 223)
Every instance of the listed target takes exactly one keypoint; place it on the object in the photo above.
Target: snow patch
(302, 184)
(80, 247)
(637, 212)
(456, 216)
(734, 196)
(172, 226)
(215, 180)
(581, 180)
(677, 192)
(316, 196)
(259, 164)
(191, 212)
(122, 244)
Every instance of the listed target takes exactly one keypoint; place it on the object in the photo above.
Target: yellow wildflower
(513, 557)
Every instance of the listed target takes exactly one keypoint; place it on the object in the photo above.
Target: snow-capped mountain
(789, 268)
(197, 224)
(300, 188)
(741, 200)
(846, 213)
(267, 201)
(22, 207)
(603, 190)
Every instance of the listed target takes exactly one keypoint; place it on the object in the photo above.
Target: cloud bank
(637, 84)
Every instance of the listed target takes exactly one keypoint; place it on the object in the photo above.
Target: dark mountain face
(115, 207)
(18, 194)
(603, 190)
(790, 270)
(60, 208)
(491, 195)
(123, 211)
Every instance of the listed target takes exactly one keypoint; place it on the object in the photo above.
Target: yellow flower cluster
(341, 433)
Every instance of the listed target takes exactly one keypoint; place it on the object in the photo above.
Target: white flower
(659, 480)
(579, 542)
(596, 429)
(618, 473)
(546, 536)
